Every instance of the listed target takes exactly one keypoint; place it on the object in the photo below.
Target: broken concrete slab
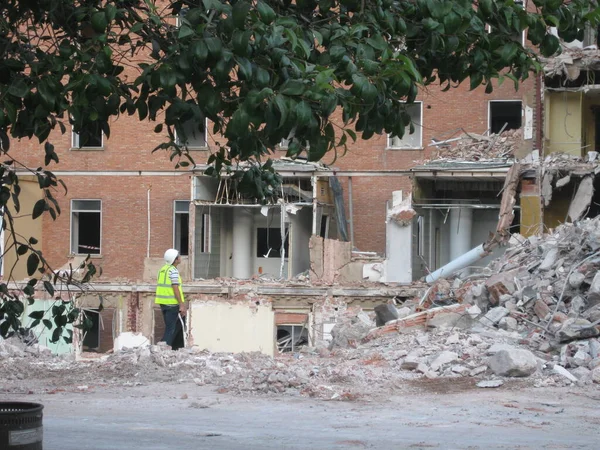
(513, 363)
(490, 383)
(573, 329)
(446, 357)
(385, 314)
(493, 316)
(582, 200)
(560, 370)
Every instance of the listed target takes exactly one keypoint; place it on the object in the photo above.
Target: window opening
(410, 140)
(193, 134)
(505, 112)
(86, 217)
(181, 223)
(89, 137)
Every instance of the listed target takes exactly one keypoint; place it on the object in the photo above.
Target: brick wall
(124, 197)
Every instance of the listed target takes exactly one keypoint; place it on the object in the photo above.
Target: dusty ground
(429, 414)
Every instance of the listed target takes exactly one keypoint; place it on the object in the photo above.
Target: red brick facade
(118, 177)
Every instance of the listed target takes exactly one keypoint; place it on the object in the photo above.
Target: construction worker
(169, 295)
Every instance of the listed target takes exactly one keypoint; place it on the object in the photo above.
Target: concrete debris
(477, 147)
(490, 383)
(513, 363)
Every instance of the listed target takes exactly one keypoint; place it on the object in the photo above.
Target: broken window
(89, 137)
(268, 243)
(290, 337)
(193, 134)
(410, 140)
(505, 115)
(181, 223)
(86, 219)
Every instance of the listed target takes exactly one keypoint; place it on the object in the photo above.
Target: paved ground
(185, 416)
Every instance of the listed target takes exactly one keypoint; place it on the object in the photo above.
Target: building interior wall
(563, 124)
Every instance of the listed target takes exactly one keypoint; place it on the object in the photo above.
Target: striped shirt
(174, 275)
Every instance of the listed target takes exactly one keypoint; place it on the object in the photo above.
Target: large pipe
(455, 265)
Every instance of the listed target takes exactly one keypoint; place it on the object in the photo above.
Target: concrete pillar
(398, 251)
(243, 229)
(461, 225)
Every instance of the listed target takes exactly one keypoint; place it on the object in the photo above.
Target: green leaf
(33, 261)
(185, 31)
(37, 315)
(49, 288)
(22, 249)
(239, 13)
(266, 13)
(18, 88)
(99, 22)
(292, 87)
(39, 208)
(47, 324)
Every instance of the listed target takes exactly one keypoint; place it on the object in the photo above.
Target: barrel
(21, 426)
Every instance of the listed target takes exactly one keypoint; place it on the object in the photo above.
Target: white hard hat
(171, 255)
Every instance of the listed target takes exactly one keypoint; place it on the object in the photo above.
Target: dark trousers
(172, 325)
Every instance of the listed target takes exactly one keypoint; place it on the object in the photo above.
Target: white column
(461, 225)
(243, 228)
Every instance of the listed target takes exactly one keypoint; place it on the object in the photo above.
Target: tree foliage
(260, 71)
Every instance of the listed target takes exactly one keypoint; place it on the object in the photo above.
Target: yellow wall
(530, 215)
(238, 327)
(563, 125)
(25, 227)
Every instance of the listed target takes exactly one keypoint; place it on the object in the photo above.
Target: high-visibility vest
(164, 289)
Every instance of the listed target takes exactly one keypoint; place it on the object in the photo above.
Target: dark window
(181, 225)
(90, 137)
(505, 112)
(86, 219)
(268, 243)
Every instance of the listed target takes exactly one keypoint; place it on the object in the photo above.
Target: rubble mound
(478, 147)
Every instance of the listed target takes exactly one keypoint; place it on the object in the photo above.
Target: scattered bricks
(420, 319)
(500, 284)
(513, 363)
(541, 309)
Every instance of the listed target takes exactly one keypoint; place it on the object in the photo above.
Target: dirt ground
(422, 414)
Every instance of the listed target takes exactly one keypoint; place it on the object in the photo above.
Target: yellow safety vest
(164, 289)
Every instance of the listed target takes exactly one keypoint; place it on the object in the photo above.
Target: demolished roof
(571, 61)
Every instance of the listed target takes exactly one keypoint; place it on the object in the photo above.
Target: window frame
(489, 118)
(75, 142)
(175, 214)
(195, 147)
(389, 145)
(71, 234)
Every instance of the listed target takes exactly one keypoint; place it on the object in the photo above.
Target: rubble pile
(547, 290)
(478, 147)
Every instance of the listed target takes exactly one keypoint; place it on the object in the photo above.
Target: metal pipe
(314, 205)
(350, 211)
(148, 243)
(457, 264)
